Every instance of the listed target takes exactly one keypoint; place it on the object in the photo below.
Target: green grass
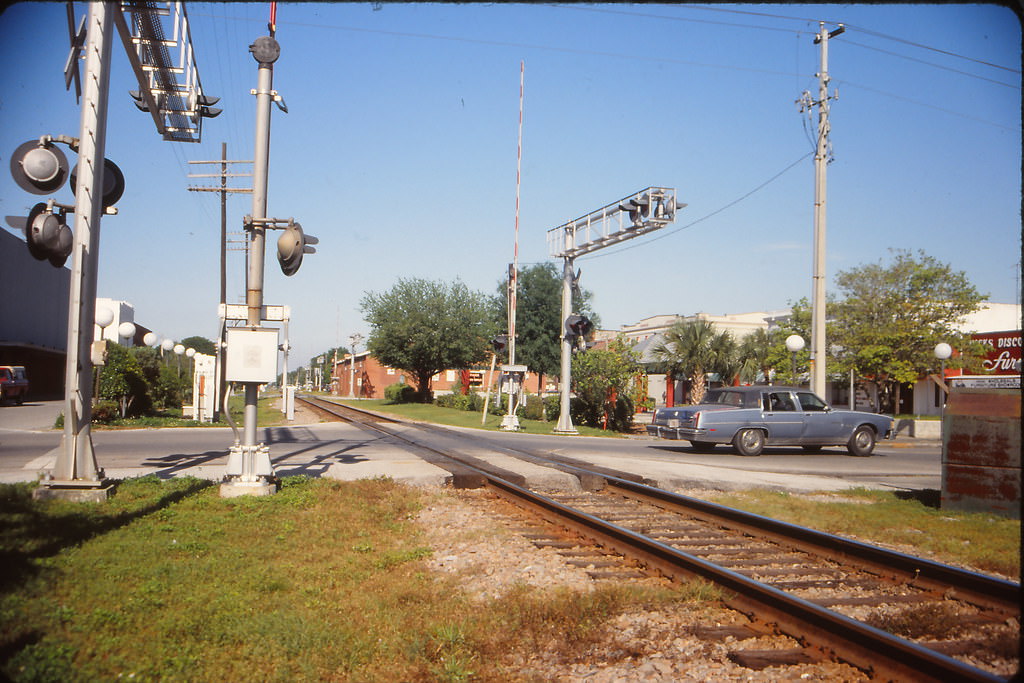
(985, 542)
(323, 581)
(428, 412)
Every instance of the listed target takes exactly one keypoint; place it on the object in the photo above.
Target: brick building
(370, 378)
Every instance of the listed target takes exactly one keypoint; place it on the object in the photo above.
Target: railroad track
(891, 615)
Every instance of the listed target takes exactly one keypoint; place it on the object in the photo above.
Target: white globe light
(167, 345)
(126, 330)
(943, 350)
(190, 352)
(104, 316)
(179, 349)
(150, 339)
(795, 342)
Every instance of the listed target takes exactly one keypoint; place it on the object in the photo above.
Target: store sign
(1003, 357)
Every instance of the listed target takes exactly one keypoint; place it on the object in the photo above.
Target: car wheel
(748, 441)
(702, 446)
(862, 442)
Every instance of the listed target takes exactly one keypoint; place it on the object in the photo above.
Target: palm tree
(690, 349)
(757, 353)
(727, 360)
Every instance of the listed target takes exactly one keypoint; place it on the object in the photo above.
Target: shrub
(105, 412)
(471, 402)
(399, 393)
(535, 408)
(553, 406)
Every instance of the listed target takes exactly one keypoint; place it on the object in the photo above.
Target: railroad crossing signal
(48, 236)
(291, 245)
(40, 167)
(576, 328)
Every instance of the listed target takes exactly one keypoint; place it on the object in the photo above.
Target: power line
(937, 66)
(717, 211)
(804, 20)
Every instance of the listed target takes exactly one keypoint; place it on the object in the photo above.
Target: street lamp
(104, 316)
(125, 331)
(794, 343)
(150, 339)
(942, 352)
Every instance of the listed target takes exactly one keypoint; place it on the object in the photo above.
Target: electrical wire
(703, 218)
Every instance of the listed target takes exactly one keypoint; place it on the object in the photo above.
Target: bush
(105, 412)
(400, 393)
(553, 406)
(535, 408)
(471, 402)
(620, 418)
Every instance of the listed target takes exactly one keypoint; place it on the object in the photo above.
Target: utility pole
(821, 160)
(224, 190)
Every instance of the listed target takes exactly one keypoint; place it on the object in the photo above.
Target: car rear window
(739, 399)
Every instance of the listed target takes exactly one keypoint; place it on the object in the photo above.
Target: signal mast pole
(76, 474)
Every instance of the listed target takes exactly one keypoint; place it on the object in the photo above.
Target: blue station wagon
(752, 417)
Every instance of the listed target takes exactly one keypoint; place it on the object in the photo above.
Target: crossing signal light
(666, 208)
(139, 100)
(39, 168)
(637, 207)
(113, 182)
(48, 237)
(291, 245)
(499, 343)
(576, 328)
(205, 108)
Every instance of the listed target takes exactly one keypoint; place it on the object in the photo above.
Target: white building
(923, 399)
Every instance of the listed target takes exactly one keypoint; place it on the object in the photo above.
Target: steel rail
(976, 588)
(877, 652)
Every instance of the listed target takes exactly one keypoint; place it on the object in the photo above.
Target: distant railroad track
(833, 596)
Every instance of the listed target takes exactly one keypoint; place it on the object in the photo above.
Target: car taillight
(696, 420)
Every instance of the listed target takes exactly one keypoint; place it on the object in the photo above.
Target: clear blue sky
(399, 150)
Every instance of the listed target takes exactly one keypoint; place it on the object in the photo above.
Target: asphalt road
(28, 443)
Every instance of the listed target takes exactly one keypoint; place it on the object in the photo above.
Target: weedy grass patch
(428, 412)
(324, 580)
(985, 542)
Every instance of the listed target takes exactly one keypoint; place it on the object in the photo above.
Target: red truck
(13, 383)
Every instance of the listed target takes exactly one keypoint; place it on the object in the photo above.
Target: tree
(891, 316)
(425, 327)
(539, 317)
(691, 349)
(604, 381)
(756, 350)
(122, 380)
(200, 344)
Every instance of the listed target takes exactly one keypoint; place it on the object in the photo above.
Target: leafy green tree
(424, 327)
(539, 317)
(166, 388)
(690, 349)
(201, 345)
(604, 381)
(122, 380)
(891, 316)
